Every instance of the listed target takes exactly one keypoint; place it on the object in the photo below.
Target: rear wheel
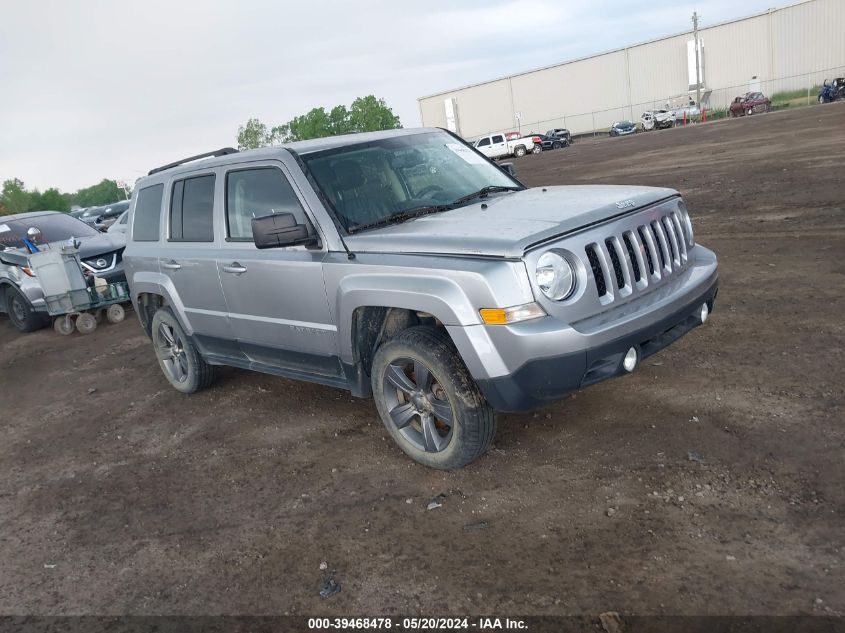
(519, 152)
(428, 401)
(556, 145)
(178, 357)
(749, 112)
(20, 311)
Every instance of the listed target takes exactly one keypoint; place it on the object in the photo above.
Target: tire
(20, 311)
(749, 112)
(556, 145)
(537, 149)
(63, 325)
(115, 313)
(468, 423)
(86, 323)
(519, 152)
(821, 99)
(178, 357)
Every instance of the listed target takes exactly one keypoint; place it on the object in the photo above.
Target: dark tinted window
(483, 142)
(54, 227)
(254, 193)
(114, 210)
(498, 139)
(147, 218)
(192, 209)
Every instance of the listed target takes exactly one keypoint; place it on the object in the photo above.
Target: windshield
(56, 227)
(367, 183)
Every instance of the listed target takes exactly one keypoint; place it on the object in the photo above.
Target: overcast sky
(109, 89)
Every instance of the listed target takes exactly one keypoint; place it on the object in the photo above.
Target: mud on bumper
(540, 382)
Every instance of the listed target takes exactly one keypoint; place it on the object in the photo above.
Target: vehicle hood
(511, 222)
(89, 246)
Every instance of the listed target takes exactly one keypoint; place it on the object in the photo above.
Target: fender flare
(160, 284)
(442, 298)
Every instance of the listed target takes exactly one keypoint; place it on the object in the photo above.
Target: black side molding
(224, 151)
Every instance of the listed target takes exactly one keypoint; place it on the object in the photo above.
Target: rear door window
(147, 219)
(498, 139)
(192, 209)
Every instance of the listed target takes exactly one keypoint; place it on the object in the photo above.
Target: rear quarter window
(147, 219)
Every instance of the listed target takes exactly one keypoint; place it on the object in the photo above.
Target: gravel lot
(708, 482)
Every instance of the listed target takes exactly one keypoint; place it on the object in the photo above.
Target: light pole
(697, 61)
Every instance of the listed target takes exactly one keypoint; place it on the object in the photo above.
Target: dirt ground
(708, 482)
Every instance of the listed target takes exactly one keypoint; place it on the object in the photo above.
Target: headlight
(555, 276)
(687, 223)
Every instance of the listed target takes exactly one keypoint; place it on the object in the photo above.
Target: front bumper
(545, 380)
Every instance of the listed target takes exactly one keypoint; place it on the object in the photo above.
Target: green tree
(369, 114)
(50, 200)
(252, 135)
(14, 196)
(104, 192)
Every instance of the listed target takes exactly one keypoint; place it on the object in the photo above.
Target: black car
(623, 128)
(110, 213)
(560, 134)
(547, 142)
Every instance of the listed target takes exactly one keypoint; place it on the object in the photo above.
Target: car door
(276, 297)
(498, 146)
(190, 262)
(484, 147)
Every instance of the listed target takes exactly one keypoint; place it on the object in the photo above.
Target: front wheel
(822, 99)
(20, 311)
(178, 357)
(428, 401)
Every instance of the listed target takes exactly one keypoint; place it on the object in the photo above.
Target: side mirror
(33, 234)
(280, 229)
(508, 168)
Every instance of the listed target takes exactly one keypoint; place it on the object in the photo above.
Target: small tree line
(16, 198)
(366, 114)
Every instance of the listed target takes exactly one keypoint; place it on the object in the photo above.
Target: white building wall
(795, 47)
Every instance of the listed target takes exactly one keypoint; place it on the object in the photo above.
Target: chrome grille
(637, 258)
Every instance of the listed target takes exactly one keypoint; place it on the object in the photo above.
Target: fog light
(630, 362)
(704, 312)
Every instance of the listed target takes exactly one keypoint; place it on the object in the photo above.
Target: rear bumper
(540, 382)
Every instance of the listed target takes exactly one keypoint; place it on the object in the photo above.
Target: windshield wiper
(401, 216)
(483, 192)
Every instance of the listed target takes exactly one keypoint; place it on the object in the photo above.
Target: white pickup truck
(498, 145)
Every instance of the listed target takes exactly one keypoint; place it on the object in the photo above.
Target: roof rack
(218, 152)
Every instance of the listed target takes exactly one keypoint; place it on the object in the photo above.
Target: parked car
(119, 225)
(20, 294)
(832, 90)
(90, 215)
(750, 103)
(550, 142)
(657, 120)
(405, 266)
(498, 146)
(110, 214)
(688, 112)
(560, 133)
(623, 128)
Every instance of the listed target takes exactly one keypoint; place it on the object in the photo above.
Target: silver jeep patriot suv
(405, 266)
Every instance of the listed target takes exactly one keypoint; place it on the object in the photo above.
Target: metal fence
(792, 91)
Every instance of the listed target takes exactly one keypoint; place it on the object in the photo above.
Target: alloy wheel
(418, 405)
(171, 351)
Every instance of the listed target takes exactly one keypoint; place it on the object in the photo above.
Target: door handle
(171, 265)
(234, 268)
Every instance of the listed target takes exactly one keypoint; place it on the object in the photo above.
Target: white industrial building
(791, 48)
